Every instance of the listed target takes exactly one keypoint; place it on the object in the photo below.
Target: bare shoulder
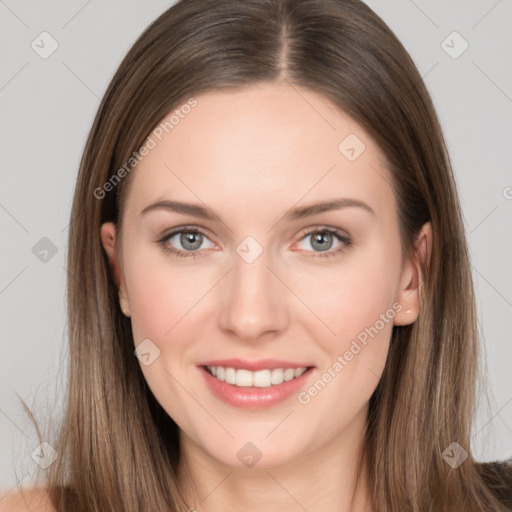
(34, 499)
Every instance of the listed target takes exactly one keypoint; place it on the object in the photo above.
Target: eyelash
(346, 242)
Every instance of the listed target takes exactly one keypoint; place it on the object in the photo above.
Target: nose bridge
(254, 300)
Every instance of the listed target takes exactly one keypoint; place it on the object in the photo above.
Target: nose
(253, 300)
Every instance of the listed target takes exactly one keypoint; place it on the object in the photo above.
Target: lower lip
(252, 397)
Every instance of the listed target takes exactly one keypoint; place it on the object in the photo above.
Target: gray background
(48, 106)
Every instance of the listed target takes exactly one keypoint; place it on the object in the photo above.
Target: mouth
(254, 385)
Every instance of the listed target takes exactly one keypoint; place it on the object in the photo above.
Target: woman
(322, 319)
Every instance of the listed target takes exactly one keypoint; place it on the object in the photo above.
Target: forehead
(258, 146)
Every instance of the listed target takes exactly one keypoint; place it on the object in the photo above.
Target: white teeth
(277, 376)
(259, 379)
(299, 371)
(243, 378)
(230, 376)
(289, 374)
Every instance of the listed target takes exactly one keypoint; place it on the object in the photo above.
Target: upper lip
(260, 364)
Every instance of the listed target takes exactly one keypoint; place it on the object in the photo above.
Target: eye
(191, 241)
(322, 240)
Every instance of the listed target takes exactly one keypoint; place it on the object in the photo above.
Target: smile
(267, 384)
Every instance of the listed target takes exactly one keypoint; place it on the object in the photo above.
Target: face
(263, 283)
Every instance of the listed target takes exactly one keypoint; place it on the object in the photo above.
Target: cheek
(165, 301)
(359, 306)
(354, 295)
(163, 296)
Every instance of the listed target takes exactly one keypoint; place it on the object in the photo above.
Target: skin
(251, 155)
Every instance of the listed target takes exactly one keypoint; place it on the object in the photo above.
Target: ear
(408, 294)
(108, 239)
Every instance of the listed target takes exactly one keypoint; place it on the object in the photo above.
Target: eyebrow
(203, 212)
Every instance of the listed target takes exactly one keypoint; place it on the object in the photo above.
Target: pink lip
(254, 366)
(253, 398)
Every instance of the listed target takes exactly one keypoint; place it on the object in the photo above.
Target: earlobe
(109, 241)
(411, 281)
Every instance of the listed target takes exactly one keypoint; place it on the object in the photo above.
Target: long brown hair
(118, 448)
